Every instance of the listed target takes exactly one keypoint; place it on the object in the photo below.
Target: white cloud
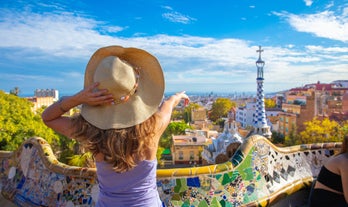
(167, 7)
(308, 2)
(188, 61)
(53, 33)
(324, 24)
(345, 12)
(174, 16)
(318, 48)
(329, 5)
(113, 29)
(178, 17)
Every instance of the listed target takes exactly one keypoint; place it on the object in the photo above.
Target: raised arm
(166, 109)
(53, 115)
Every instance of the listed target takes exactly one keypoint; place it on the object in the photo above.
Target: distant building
(272, 118)
(287, 123)
(260, 122)
(40, 101)
(199, 114)
(202, 132)
(47, 93)
(199, 119)
(279, 99)
(296, 114)
(224, 146)
(43, 97)
(340, 83)
(246, 115)
(318, 100)
(187, 149)
(345, 102)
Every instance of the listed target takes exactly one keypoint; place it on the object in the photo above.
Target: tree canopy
(15, 91)
(18, 122)
(220, 108)
(175, 128)
(270, 103)
(318, 131)
(188, 111)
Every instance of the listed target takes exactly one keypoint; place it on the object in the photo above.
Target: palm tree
(15, 91)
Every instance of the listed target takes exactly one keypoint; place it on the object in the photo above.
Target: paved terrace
(259, 174)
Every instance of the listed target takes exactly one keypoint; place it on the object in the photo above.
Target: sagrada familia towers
(260, 122)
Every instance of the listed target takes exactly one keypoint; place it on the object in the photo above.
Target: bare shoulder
(343, 159)
(336, 162)
(341, 162)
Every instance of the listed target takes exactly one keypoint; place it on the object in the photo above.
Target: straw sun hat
(134, 78)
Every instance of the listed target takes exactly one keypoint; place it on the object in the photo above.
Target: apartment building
(187, 149)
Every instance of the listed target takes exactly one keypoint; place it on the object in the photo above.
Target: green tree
(317, 131)
(293, 137)
(344, 129)
(220, 108)
(188, 111)
(277, 138)
(174, 128)
(18, 122)
(177, 114)
(160, 150)
(15, 91)
(270, 103)
(82, 160)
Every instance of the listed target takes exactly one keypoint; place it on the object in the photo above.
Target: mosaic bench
(259, 174)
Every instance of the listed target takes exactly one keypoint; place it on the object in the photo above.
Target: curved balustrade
(258, 175)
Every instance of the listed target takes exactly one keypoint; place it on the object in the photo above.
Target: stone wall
(259, 174)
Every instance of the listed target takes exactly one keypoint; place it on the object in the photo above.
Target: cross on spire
(259, 51)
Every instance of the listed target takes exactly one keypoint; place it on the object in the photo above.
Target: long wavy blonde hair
(122, 148)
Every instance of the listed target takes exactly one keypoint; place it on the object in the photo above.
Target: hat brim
(141, 105)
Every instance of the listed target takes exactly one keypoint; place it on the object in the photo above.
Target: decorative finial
(259, 51)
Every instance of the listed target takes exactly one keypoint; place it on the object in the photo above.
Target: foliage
(298, 102)
(176, 128)
(184, 114)
(270, 103)
(69, 148)
(277, 138)
(18, 122)
(83, 160)
(220, 108)
(177, 114)
(188, 111)
(344, 129)
(293, 137)
(220, 122)
(15, 91)
(321, 131)
(159, 155)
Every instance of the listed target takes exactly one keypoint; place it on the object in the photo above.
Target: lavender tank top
(136, 187)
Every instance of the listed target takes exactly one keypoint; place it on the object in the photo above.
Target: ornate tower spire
(260, 122)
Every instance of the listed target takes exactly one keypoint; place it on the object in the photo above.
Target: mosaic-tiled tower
(260, 122)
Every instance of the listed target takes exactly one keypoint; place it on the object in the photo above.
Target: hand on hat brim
(93, 96)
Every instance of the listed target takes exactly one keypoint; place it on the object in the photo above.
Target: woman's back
(121, 100)
(332, 183)
(136, 187)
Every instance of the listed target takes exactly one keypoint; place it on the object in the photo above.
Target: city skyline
(201, 47)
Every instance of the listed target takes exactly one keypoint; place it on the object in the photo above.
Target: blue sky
(202, 46)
